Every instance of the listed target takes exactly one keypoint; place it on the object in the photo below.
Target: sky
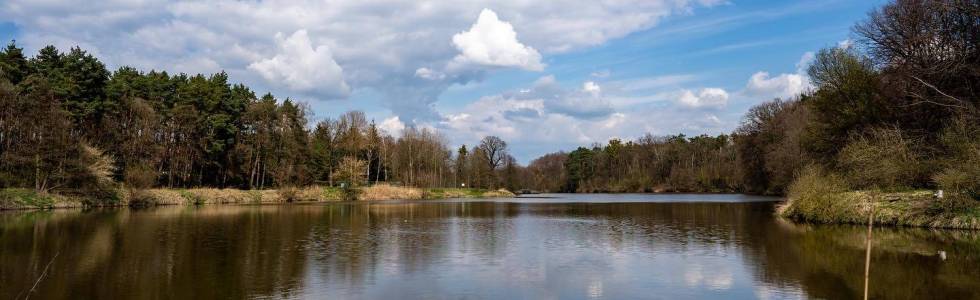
(545, 76)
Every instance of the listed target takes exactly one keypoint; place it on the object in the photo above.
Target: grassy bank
(18, 198)
(824, 198)
(14, 198)
(912, 208)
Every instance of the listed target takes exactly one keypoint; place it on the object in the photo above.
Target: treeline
(896, 111)
(69, 125)
(650, 164)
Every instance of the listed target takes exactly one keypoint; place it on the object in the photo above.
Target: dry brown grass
(212, 196)
(15, 199)
(501, 193)
(390, 192)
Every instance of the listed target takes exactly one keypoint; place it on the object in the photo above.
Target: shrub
(882, 158)
(98, 196)
(349, 193)
(140, 176)
(960, 178)
(960, 184)
(815, 195)
(140, 198)
(96, 187)
(288, 194)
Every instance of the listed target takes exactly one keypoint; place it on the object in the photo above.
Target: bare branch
(934, 88)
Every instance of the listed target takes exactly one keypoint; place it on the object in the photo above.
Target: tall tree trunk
(37, 173)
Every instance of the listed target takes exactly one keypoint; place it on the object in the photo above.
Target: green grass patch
(332, 193)
(445, 193)
(19, 198)
(191, 197)
(825, 198)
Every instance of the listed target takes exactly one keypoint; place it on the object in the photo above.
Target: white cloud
(845, 44)
(786, 85)
(395, 51)
(805, 60)
(429, 74)
(782, 86)
(493, 42)
(591, 87)
(713, 98)
(587, 103)
(379, 45)
(392, 126)
(540, 122)
(300, 67)
(713, 119)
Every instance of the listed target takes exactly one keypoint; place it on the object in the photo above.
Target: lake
(627, 246)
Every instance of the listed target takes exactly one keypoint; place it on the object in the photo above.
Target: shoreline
(917, 208)
(895, 209)
(25, 199)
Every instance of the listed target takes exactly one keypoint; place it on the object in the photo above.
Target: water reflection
(615, 247)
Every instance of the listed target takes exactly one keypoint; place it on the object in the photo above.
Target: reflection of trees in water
(825, 261)
(272, 251)
(176, 253)
(828, 261)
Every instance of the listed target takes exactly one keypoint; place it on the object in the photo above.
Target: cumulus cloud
(782, 86)
(299, 66)
(533, 118)
(546, 115)
(395, 51)
(493, 42)
(544, 111)
(712, 98)
(429, 74)
(587, 103)
(786, 85)
(591, 87)
(392, 126)
(522, 113)
(378, 45)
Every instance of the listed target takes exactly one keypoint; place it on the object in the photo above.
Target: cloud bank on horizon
(543, 75)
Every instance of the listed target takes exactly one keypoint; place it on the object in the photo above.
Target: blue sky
(543, 76)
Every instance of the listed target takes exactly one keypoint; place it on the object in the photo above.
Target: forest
(895, 111)
(68, 125)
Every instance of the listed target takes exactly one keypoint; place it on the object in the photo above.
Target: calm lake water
(566, 247)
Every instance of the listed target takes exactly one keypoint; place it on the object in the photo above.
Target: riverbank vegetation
(21, 198)
(71, 128)
(893, 114)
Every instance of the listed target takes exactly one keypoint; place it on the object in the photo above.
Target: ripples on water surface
(565, 246)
